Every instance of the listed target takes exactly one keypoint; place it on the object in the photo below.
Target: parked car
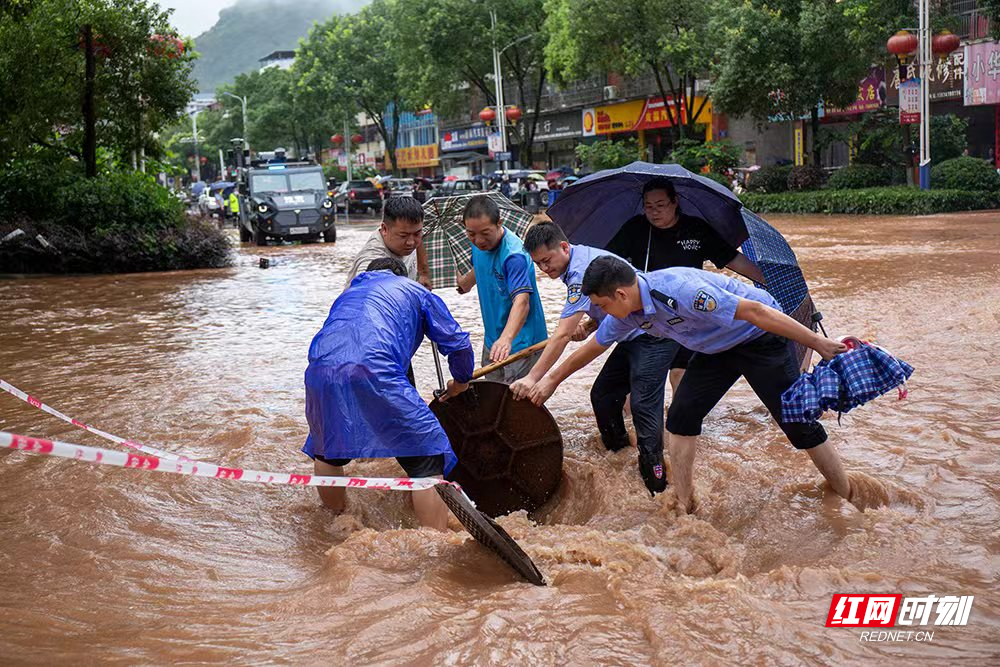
(459, 187)
(399, 187)
(358, 196)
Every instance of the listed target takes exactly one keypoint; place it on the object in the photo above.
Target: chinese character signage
(413, 157)
(871, 95)
(946, 76)
(982, 73)
(647, 114)
(465, 138)
(559, 126)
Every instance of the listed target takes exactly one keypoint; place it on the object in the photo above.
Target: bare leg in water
(682, 451)
(428, 506)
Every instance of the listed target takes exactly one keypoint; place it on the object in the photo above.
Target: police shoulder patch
(574, 293)
(670, 301)
(704, 301)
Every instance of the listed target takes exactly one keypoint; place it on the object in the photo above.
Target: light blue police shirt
(694, 307)
(580, 257)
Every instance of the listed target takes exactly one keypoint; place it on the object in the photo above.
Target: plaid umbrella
(449, 252)
(850, 379)
(768, 249)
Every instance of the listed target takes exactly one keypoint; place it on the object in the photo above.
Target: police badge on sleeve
(574, 293)
(704, 301)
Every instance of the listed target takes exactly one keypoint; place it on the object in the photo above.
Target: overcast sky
(193, 17)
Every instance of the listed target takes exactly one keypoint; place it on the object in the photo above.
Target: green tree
(440, 63)
(674, 40)
(352, 62)
(141, 83)
(782, 57)
(607, 154)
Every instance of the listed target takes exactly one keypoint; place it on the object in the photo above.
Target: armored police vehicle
(286, 200)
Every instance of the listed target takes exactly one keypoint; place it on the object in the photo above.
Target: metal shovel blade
(488, 533)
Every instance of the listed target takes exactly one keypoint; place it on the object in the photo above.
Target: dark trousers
(769, 367)
(639, 367)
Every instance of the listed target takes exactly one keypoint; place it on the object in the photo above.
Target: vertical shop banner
(982, 74)
(799, 147)
(909, 102)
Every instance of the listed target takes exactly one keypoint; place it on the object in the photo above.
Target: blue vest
(494, 297)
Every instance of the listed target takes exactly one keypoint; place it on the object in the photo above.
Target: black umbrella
(593, 209)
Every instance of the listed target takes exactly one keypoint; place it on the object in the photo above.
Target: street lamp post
(924, 65)
(194, 138)
(243, 103)
(498, 82)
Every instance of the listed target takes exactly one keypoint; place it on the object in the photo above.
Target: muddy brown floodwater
(120, 566)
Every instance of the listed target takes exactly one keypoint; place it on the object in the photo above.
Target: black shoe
(654, 474)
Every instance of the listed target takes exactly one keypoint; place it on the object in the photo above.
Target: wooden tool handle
(526, 352)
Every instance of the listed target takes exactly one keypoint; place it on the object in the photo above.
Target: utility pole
(924, 64)
(498, 83)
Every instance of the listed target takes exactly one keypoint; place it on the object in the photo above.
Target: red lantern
(944, 43)
(903, 44)
(513, 115)
(356, 139)
(337, 139)
(487, 115)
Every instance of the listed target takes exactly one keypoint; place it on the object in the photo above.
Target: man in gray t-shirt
(398, 237)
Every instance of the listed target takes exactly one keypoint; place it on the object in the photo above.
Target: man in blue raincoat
(359, 403)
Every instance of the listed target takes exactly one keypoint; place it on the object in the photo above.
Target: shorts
(769, 367)
(415, 466)
(510, 373)
(681, 359)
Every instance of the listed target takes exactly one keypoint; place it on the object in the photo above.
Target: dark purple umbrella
(593, 210)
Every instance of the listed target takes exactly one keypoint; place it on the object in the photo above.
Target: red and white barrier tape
(165, 461)
(199, 469)
(31, 400)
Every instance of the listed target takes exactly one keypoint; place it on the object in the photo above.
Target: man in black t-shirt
(660, 239)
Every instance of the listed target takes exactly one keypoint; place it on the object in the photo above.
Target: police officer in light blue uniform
(735, 330)
(639, 367)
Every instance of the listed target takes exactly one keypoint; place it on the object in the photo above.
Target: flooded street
(128, 567)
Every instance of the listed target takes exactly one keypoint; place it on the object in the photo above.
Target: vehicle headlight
(327, 203)
(262, 208)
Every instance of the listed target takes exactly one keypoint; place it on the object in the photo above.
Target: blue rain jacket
(358, 401)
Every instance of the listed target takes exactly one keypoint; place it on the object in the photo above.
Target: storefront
(417, 152)
(981, 95)
(647, 120)
(464, 150)
(556, 138)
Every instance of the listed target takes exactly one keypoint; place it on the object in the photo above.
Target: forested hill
(251, 29)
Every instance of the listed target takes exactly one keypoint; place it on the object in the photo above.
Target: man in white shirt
(397, 237)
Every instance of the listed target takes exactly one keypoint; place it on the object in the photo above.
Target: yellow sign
(636, 115)
(414, 157)
(799, 158)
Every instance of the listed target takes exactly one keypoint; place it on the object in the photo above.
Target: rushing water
(111, 565)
